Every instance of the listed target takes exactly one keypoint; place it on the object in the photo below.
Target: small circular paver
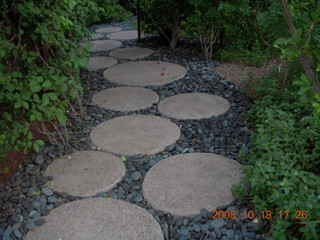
(104, 45)
(125, 98)
(137, 134)
(98, 219)
(145, 73)
(123, 35)
(85, 173)
(101, 62)
(131, 53)
(186, 183)
(96, 35)
(193, 106)
(108, 29)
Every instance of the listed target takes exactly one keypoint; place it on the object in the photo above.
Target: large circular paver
(125, 98)
(138, 134)
(98, 219)
(96, 35)
(101, 62)
(131, 53)
(145, 73)
(193, 106)
(123, 35)
(108, 29)
(185, 183)
(85, 173)
(104, 45)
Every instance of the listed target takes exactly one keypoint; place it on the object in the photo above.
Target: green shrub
(282, 168)
(40, 60)
(164, 17)
(104, 10)
(239, 53)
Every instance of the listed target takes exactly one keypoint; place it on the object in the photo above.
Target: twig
(155, 23)
(57, 129)
(44, 130)
(45, 63)
(70, 105)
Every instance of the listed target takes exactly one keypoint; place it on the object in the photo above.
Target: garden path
(181, 185)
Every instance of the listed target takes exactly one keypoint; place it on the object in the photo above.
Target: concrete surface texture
(145, 73)
(137, 134)
(125, 98)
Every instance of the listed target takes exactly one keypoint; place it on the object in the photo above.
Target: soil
(15, 158)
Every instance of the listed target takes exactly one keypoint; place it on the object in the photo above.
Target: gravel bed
(24, 199)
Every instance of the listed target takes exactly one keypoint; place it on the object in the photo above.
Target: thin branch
(165, 35)
(309, 33)
(45, 63)
(57, 129)
(44, 130)
(70, 105)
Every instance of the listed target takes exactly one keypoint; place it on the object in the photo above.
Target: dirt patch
(238, 73)
(15, 158)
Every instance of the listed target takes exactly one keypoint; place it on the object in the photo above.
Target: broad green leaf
(45, 99)
(46, 84)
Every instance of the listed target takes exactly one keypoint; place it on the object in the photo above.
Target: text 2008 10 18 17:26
(263, 214)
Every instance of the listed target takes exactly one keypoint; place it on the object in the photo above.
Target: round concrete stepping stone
(193, 106)
(183, 184)
(138, 134)
(98, 219)
(96, 63)
(125, 98)
(145, 73)
(96, 35)
(108, 29)
(123, 35)
(131, 53)
(104, 45)
(85, 173)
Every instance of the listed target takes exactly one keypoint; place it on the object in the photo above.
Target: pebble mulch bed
(24, 199)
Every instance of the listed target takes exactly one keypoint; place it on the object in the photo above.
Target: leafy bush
(257, 56)
(40, 59)
(303, 20)
(104, 10)
(164, 17)
(282, 167)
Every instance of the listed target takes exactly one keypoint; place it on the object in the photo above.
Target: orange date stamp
(263, 214)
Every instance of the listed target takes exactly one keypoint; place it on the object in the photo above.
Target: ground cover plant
(40, 59)
(282, 167)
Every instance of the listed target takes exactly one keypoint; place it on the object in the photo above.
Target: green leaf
(17, 104)
(45, 99)
(53, 96)
(39, 142)
(62, 118)
(281, 41)
(46, 84)
(35, 87)
(29, 136)
(25, 104)
(36, 147)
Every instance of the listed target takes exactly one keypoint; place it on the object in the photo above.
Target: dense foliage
(40, 58)
(282, 167)
(165, 18)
